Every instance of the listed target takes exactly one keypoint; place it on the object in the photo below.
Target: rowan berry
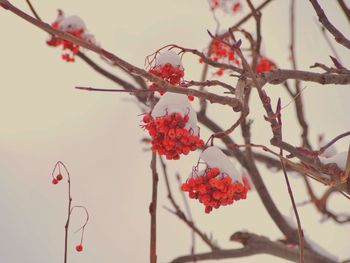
(79, 248)
(59, 177)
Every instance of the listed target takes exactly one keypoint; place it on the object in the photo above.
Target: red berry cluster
(171, 74)
(169, 136)
(56, 179)
(222, 53)
(264, 65)
(212, 191)
(66, 45)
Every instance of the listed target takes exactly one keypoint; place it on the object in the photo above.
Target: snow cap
(172, 102)
(330, 151)
(214, 157)
(72, 23)
(169, 56)
(339, 159)
(227, 5)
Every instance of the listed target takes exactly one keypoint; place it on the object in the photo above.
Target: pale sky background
(97, 135)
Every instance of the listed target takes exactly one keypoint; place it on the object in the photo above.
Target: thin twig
(299, 105)
(153, 209)
(33, 10)
(300, 230)
(188, 212)
(322, 149)
(253, 245)
(69, 207)
(330, 44)
(180, 214)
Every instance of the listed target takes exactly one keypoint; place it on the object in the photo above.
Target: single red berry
(54, 181)
(220, 72)
(190, 97)
(236, 7)
(59, 177)
(146, 118)
(79, 248)
(208, 209)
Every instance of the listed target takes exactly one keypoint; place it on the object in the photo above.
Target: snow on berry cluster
(219, 184)
(172, 126)
(339, 159)
(228, 6)
(264, 65)
(168, 66)
(73, 25)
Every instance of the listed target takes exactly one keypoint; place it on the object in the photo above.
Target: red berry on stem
(79, 248)
(59, 177)
(54, 181)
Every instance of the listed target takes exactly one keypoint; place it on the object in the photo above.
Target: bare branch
(345, 9)
(126, 85)
(213, 98)
(153, 209)
(254, 245)
(338, 36)
(278, 76)
(322, 149)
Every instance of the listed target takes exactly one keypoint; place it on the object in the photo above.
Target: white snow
(339, 159)
(214, 157)
(330, 151)
(172, 102)
(75, 23)
(169, 56)
(291, 221)
(72, 23)
(227, 5)
(320, 249)
(245, 174)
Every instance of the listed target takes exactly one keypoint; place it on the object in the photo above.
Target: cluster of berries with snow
(264, 65)
(219, 184)
(221, 52)
(168, 66)
(172, 125)
(228, 6)
(73, 25)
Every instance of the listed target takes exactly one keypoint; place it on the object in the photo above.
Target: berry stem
(66, 227)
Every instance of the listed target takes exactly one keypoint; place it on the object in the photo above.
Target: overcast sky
(97, 135)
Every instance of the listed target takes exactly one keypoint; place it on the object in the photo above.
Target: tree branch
(254, 245)
(338, 36)
(153, 210)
